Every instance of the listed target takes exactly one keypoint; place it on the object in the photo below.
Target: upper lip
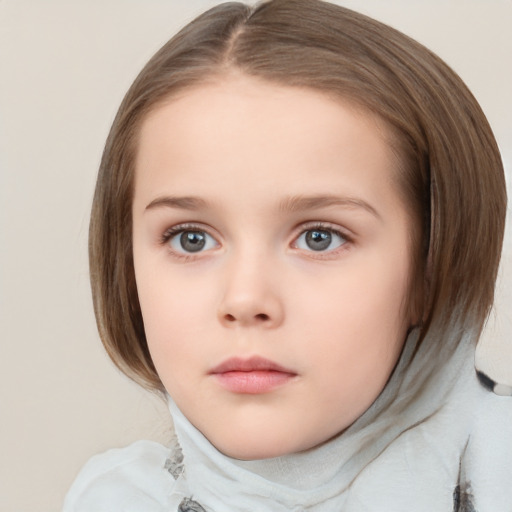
(256, 363)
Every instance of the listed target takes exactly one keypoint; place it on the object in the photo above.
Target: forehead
(254, 137)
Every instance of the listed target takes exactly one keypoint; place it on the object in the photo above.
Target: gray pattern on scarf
(188, 505)
(463, 498)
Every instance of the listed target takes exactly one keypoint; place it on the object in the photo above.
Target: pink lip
(252, 376)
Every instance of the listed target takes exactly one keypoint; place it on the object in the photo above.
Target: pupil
(192, 241)
(318, 240)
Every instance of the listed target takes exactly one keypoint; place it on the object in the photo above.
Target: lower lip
(253, 382)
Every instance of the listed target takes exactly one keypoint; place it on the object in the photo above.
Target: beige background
(64, 66)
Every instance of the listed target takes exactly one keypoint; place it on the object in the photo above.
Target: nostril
(261, 317)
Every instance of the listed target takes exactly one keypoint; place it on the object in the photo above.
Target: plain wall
(64, 67)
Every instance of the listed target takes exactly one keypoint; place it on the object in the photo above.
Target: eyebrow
(289, 204)
(183, 203)
(300, 203)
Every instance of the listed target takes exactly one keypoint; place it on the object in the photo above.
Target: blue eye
(191, 241)
(320, 239)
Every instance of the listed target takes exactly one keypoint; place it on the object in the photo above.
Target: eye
(320, 239)
(191, 241)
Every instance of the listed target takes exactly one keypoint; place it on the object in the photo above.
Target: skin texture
(335, 318)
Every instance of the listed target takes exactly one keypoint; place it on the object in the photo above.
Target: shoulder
(487, 459)
(132, 478)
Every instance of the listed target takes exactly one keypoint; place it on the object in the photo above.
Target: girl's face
(272, 258)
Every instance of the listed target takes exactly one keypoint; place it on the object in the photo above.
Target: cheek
(362, 340)
(177, 308)
(358, 316)
(173, 336)
(363, 295)
(172, 307)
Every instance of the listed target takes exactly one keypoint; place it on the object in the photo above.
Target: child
(295, 237)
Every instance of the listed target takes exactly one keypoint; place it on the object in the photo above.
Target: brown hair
(451, 172)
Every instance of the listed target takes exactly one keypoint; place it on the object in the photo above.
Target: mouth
(255, 375)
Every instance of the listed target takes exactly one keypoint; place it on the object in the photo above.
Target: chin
(253, 452)
(250, 448)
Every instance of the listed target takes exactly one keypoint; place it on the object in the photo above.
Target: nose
(251, 296)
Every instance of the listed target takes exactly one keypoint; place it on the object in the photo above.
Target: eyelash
(323, 226)
(173, 231)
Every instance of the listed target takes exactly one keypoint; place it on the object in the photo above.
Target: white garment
(434, 437)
